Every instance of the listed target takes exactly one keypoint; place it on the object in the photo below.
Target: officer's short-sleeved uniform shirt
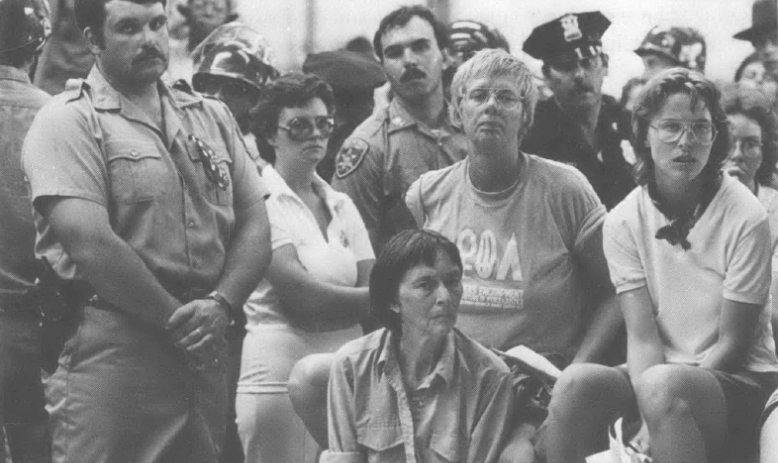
(384, 155)
(92, 143)
(554, 136)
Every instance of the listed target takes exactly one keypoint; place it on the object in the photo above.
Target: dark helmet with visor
(237, 51)
(466, 37)
(24, 25)
(684, 46)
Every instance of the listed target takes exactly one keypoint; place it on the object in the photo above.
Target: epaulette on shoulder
(74, 88)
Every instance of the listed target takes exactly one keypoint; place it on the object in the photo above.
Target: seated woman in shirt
(314, 293)
(689, 253)
(417, 390)
(528, 230)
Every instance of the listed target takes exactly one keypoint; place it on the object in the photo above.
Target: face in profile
(428, 297)
(680, 138)
(135, 46)
(412, 60)
(302, 133)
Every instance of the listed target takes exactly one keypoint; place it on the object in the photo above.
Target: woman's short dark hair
(754, 57)
(400, 17)
(91, 14)
(651, 100)
(752, 104)
(627, 89)
(403, 252)
(291, 90)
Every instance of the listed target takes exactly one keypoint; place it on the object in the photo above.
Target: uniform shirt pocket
(445, 446)
(382, 443)
(137, 171)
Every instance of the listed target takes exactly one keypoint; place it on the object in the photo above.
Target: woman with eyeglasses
(315, 291)
(689, 253)
(528, 231)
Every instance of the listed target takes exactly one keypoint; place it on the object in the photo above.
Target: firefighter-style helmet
(235, 50)
(24, 25)
(684, 46)
(467, 37)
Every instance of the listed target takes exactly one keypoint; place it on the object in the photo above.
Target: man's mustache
(148, 53)
(412, 73)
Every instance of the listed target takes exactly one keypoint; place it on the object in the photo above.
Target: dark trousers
(23, 417)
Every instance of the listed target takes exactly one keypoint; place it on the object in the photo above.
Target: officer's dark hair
(400, 17)
(91, 14)
(754, 105)
(546, 67)
(701, 90)
(291, 90)
(404, 251)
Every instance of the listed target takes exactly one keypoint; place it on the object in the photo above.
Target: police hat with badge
(568, 39)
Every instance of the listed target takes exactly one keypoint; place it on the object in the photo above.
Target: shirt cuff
(341, 457)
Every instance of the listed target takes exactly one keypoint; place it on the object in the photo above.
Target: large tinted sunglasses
(301, 128)
(213, 172)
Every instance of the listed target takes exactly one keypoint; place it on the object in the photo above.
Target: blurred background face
(412, 60)
(492, 111)
(207, 15)
(745, 154)
(684, 159)
(756, 77)
(578, 84)
(428, 298)
(135, 48)
(301, 136)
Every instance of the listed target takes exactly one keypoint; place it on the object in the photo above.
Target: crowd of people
(205, 258)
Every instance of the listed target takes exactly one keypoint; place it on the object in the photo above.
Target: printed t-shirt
(522, 251)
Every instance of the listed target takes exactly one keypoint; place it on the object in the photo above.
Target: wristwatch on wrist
(223, 302)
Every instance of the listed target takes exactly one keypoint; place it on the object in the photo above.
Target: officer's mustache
(148, 53)
(412, 73)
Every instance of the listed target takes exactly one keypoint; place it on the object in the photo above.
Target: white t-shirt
(333, 260)
(522, 251)
(729, 258)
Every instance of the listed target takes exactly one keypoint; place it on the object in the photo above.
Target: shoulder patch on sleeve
(350, 156)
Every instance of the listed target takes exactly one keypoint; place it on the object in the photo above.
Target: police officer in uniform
(579, 125)
(410, 136)
(149, 207)
(24, 28)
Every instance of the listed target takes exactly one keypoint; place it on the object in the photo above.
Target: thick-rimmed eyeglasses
(751, 147)
(213, 171)
(506, 99)
(670, 131)
(301, 128)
